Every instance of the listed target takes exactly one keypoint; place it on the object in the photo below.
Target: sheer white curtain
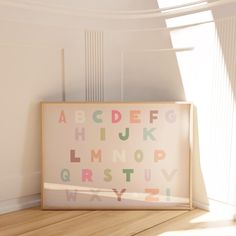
(209, 78)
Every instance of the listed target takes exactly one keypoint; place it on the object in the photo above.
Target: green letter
(65, 175)
(125, 136)
(148, 133)
(95, 116)
(128, 172)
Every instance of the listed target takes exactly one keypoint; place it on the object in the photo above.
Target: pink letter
(62, 117)
(148, 174)
(115, 116)
(87, 175)
(80, 134)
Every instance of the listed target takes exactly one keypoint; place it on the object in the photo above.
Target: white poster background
(151, 183)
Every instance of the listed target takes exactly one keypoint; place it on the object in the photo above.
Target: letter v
(170, 176)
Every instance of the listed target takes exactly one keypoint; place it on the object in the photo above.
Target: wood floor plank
(31, 219)
(34, 222)
(196, 222)
(12, 218)
(103, 223)
(132, 226)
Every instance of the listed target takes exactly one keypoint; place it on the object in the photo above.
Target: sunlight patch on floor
(227, 231)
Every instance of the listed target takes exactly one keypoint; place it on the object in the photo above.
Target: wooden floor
(121, 223)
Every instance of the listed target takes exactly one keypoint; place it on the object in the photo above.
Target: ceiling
(103, 4)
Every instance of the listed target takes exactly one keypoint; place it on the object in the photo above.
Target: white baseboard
(201, 205)
(223, 207)
(216, 206)
(19, 203)
(19, 185)
(21, 191)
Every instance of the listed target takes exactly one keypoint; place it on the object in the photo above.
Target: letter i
(102, 134)
(168, 193)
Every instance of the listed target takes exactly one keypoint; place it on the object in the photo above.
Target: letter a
(62, 118)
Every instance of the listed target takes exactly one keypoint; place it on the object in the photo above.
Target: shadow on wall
(200, 198)
(31, 156)
(152, 74)
(31, 152)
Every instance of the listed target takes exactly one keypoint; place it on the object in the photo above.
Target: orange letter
(153, 192)
(159, 155)
(96, 155)
(134, 116)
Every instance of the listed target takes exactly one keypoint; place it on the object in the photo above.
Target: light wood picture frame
(116, 155)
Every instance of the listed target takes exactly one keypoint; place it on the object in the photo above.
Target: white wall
(31, 71)
(43, 56)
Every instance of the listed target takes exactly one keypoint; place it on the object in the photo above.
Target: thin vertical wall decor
(63, 74)
(94, 78)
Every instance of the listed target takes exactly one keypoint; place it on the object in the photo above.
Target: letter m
(96, 155)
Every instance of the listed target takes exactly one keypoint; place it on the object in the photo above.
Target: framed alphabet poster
(116, 155)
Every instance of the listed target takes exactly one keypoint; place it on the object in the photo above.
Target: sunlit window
(208, 75)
